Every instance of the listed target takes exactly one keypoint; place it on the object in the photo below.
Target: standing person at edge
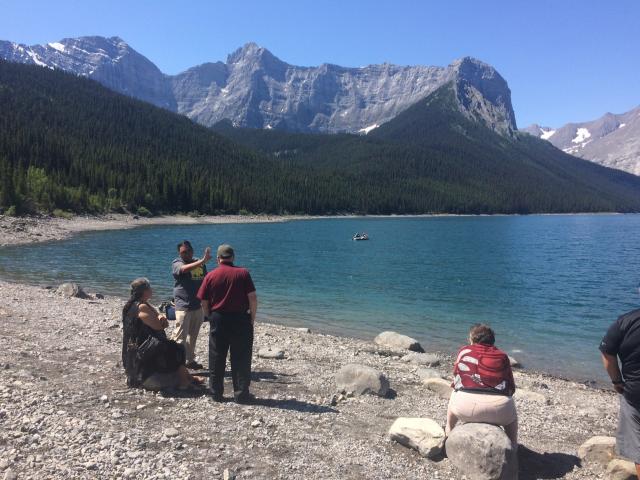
(622, 341)
(230, 303)
(188, 273)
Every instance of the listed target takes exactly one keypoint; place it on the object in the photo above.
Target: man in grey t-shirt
(188, 273)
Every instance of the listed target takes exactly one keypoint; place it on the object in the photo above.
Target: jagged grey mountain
(611, 140)
(256, 89)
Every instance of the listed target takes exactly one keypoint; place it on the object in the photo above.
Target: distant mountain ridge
(256, 89)
(70, 143)
(612, 140)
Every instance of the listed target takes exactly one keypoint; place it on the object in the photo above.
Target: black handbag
(149, 350)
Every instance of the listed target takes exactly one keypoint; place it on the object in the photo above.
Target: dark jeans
(230, 331)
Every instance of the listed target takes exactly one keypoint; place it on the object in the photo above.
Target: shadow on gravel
(534, 465)
(255, 376)
(296, 405)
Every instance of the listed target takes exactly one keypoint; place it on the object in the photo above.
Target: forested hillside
(69, 143)
(432, 152)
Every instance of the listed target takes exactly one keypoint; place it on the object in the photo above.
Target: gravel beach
(65, 411)
(22, 230)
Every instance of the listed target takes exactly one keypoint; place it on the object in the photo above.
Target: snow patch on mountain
(581, 135)
(366, 130)
(57, 46)
(547, 134)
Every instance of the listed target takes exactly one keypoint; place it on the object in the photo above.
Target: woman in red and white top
(483, 385)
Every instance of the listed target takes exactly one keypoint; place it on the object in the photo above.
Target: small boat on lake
(361, 236)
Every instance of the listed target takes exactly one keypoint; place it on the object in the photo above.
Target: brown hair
(481, 333)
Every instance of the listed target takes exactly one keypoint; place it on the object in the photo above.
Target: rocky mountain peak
(256, 89)
(250, 53)
(484, 94)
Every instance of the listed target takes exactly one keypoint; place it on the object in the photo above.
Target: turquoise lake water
(549, 285)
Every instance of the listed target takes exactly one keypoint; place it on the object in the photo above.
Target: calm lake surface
(549, 285)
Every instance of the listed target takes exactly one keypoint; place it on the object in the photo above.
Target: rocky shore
(65, 411)
(31, 229)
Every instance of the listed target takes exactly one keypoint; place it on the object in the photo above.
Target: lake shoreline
(34, 230)
(65, 382)
(39, 229)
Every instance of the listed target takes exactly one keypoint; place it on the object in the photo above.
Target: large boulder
(397, 340)
(421, 434)
(439, 386)
(71, 290)
(599, 450)
(482, 452)
(619, 469)
(424, 359)
(361, 380)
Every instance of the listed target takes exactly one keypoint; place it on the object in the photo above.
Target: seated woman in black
(149, 358)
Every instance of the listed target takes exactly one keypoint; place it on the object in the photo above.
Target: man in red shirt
(229, 302)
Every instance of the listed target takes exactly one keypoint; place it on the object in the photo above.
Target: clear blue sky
(565, 60)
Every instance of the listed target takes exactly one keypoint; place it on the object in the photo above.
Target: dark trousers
(230, 331)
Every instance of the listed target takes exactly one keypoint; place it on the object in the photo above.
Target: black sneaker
(245, 399)
(193, 365)
(216, 397)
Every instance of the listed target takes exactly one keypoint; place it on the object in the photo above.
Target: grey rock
(170, 432)
(482, 452)
(620, 469)
(598, 450)
(253, 88)
(361, 380)
(271, 353)
(421, 434)
(514, 363)
(396, 340)
(228, 475)
(427, 373)
(439, 386)
(10, 475)
(303, 330)
(426, 359)
(71, 290)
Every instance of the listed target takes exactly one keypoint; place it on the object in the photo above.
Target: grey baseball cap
(225, 251)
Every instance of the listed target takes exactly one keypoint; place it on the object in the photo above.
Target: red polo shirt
(226, 289)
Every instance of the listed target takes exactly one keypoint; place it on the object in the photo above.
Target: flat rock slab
(439, 386)
(421, 434)
(272, 353)
(425, 359)
(482, 452)
(619, 469)
(361, 380)
(397, 340)
(600, 450)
